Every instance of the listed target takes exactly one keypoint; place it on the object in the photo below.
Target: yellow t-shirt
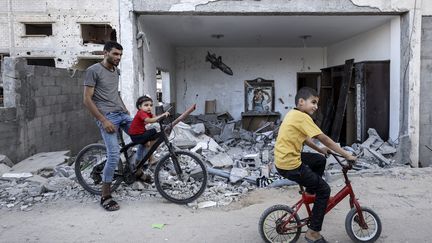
(295, 128)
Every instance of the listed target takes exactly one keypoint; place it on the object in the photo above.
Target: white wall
(158, 54)
(371, 45)
(381, 43)
(197, 82)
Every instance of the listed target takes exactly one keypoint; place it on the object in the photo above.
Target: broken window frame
(37, 25)
(41, 59)
(91, 27)
(92, 60)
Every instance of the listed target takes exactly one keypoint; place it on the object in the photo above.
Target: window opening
(38, 29)
(97, 33)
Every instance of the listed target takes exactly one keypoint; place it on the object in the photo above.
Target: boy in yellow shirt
(306, 169)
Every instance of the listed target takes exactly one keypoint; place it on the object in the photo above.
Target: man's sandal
(109, 204)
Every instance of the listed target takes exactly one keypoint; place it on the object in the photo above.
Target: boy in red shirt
(137, 130)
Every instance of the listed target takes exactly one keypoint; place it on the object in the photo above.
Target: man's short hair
(112, 44)
(141, 100)
(305, 93)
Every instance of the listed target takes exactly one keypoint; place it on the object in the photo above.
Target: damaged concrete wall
(197, 82)
(272, 6)
(8, 131)
(49, 114)
(65, 44)
(425, 148)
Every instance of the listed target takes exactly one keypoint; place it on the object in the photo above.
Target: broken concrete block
(221, 160)
(379, 156)
(4, 168)
(198, 128)
(185, 144)
(386, 148)
(5, 160)
(17, 175)
(207, 204)
(252, 160)
(40, 161)
(237, 174)
(227, 132)
(37, 179)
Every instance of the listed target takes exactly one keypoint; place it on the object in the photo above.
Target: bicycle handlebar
(347, 166)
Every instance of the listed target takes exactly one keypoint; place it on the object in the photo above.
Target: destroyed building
(368, 59)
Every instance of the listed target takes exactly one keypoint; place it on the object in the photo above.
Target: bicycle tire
(371, 219)
(175, 189)
(268, 225)
(87, 159)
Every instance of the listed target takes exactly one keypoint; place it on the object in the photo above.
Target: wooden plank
(342, 101)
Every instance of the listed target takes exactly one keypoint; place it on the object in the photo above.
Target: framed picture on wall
(259, 95)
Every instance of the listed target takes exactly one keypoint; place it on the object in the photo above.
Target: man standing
(102, 99)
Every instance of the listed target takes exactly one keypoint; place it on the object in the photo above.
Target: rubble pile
(237, 160)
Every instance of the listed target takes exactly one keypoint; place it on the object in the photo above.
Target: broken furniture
(252, 121)
(352, 98)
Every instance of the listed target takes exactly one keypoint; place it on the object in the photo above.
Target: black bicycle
(180, 176)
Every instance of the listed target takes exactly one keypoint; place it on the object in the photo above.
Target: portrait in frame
(259, 95)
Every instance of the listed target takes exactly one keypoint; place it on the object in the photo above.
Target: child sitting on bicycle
(306, 169)
(137, 130)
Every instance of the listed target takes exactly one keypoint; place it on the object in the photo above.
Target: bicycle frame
(308, 199)
(162, 138)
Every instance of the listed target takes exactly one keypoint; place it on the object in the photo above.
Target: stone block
(41, 161)
(6, 161)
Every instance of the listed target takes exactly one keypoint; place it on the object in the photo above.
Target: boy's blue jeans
(309, 175)
(122, 120)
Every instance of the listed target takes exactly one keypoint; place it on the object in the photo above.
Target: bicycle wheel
(359, 234)
(270, 225)
(89, 165)
(183, 188)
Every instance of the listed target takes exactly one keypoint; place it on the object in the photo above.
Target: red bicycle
(281, 223)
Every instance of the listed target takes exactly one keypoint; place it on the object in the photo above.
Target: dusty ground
(401, 197)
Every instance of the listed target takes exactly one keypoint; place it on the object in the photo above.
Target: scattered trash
(157, 226)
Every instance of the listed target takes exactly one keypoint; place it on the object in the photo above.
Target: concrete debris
(237, 174)
(228, 131)
(4, 168)
(17, 175)
(252, 160)
(41, 161)
(237, 160)
(207, 204)
(220, 160)
(198, 129)
(5, 160)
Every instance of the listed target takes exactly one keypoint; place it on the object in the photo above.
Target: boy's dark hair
(305, 93)
(112, 44)
(141, 100)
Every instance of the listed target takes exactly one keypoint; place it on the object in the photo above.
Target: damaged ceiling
(259, 31)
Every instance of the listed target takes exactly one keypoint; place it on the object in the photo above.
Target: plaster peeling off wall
(189, 5)
(396, 5)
